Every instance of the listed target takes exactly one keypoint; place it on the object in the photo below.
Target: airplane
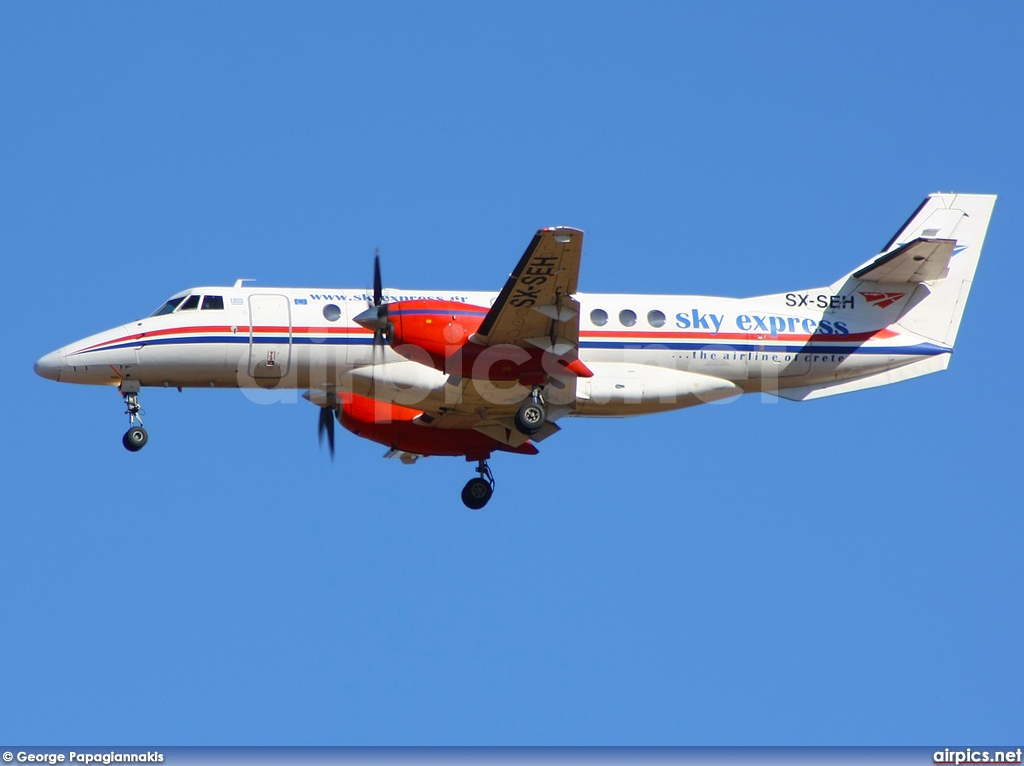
(468, 374)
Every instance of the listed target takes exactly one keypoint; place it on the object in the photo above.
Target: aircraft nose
(49, 366)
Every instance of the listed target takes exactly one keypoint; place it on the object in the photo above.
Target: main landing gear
(530, 418)
(533, 414)
(136, 437)
(478, 491)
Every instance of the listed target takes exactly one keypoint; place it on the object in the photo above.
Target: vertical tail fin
(922, 277)
(918, 284)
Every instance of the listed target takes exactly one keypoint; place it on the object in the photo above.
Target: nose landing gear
(478, 491)
(136, 436)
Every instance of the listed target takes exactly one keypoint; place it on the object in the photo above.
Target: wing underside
(536, 307)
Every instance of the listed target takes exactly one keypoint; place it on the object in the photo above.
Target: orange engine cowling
(436, 333)
(438, 328)
(392, 425)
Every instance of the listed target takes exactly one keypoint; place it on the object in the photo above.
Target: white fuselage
(433, 373)
(647, 353)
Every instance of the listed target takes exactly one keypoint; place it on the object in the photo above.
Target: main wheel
(476, 493)
(135, 439)
(530, 418)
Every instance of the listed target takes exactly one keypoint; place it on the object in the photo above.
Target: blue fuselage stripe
(921, 349)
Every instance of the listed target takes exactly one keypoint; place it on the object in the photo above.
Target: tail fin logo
(882, 300)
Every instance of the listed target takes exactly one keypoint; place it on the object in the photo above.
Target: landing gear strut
(136, 437)
(478, 491)
(533, 414)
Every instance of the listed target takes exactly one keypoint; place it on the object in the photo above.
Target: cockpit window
(213, 302)
(191, 304)
(168, 307)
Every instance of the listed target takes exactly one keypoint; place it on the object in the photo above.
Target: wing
(464, 409)
(536, 307)
(497, 425)
(534, 310)
(919, 261)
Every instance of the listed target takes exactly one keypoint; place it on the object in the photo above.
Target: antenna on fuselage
(241, 282)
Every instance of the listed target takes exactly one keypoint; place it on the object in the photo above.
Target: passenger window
(213, 303)
(655, 318)
(599, 317)
(168, 307)
(191, 304)
(332, 312)
(627, 318)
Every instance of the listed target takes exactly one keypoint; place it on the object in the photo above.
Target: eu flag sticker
(300, 301)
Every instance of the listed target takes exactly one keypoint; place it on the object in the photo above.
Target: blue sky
(847, 571)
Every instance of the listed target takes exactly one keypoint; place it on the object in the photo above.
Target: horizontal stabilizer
(922, 260)
(819, 390)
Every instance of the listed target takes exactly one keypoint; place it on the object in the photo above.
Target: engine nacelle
(435, 328)
(437, 333)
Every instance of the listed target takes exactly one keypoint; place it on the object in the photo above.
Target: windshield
(168, 307)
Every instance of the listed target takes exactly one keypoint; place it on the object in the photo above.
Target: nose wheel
(135, 437)
(478, 491)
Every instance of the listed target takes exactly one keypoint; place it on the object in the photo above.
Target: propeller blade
(327, 425)
(378, 289)
(376, 316)
(376, 319)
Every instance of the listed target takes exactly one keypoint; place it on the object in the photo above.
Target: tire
(135, 439)
(530, 418)
(476, 493)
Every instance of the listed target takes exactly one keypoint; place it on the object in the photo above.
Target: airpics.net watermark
(969, 755)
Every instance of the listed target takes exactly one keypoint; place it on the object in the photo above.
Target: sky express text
(769, 325)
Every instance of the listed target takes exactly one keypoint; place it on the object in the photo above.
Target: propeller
(327, 426)
(376, 315)
(378, 290)
(376, 318)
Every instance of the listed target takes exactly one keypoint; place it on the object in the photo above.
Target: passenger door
(270, 338)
